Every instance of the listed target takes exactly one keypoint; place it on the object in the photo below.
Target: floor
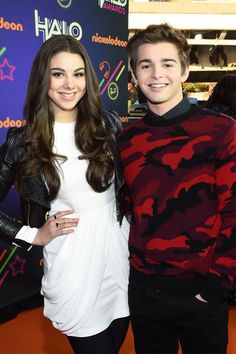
(31, 333)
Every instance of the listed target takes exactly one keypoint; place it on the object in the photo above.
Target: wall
(102, 27)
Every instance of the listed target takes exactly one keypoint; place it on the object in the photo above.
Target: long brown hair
(38, 139)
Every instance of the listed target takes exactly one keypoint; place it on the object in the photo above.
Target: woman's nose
(69, 82)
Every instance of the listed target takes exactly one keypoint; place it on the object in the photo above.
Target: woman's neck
(65, 117)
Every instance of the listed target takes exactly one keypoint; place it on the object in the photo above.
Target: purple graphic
(6, 70)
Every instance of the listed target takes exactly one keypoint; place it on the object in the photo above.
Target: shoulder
(114, 121)
(11, 146)
(208, 116)
(14, 134)
(218, 127)
(133, 128)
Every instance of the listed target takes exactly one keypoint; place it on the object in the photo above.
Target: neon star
(17, 266)
(6, 70)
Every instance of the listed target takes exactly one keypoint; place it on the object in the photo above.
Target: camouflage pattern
(181, 178)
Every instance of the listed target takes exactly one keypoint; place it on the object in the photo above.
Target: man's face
(159, 76)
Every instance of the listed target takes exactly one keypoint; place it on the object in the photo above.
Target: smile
(67, 96)
(158, 85)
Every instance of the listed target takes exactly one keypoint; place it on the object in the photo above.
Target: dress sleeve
(27, 234)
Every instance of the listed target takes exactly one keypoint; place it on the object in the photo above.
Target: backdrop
(102, 27)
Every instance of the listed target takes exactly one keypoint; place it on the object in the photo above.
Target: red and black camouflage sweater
(181, 178)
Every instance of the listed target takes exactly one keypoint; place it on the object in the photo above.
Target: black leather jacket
(36, 206)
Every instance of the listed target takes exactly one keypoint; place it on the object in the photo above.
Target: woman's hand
(56, 225)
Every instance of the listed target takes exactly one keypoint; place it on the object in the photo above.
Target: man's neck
(182, 107)
(162, 108)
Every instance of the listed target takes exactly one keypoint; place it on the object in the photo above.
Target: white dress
(85, 273)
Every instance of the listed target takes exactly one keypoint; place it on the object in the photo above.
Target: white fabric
(27, 233)
(85, 273)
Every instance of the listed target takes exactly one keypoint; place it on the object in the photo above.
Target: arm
(114, 127)
(126, 199)
(114, 121)
(9, 227)
(222, 269)
(12, 230)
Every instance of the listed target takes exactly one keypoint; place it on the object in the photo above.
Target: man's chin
(155, 102)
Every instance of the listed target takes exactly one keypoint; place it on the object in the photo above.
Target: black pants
(106, 342)
(160, 321)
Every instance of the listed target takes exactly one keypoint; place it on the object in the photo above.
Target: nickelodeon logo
(109, 40)
(10, 25)
(7, 123)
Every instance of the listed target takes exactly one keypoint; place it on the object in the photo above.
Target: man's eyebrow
(168, 59)
(164, 60)
(144, 61)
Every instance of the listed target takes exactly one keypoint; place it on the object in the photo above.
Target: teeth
(68, 95)
(158, 85)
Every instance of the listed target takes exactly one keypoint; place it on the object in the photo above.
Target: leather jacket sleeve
(114, 127)
(9, 227)
(114, 121)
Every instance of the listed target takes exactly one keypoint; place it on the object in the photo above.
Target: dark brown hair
(156, 34)
(90, 134)
(223, 96)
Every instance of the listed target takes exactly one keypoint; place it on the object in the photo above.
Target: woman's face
(67, 84)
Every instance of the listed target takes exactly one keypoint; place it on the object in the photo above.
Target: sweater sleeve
(222, 269)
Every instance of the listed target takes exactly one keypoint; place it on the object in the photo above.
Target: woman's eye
(57, 74)
(80, 74)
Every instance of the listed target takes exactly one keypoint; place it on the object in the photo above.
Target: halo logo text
(51, 27)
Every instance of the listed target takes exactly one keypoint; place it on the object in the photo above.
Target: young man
(180, 169)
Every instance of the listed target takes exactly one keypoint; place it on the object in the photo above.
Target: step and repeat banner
(102, 27)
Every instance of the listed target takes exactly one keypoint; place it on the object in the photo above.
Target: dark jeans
(160, 321)
(106, 342)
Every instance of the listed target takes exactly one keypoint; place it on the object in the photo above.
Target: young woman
(64, 164)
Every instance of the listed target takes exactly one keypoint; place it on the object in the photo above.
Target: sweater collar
(181, 108)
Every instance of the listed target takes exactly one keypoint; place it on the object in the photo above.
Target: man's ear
(185, 75)
(134, 79)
